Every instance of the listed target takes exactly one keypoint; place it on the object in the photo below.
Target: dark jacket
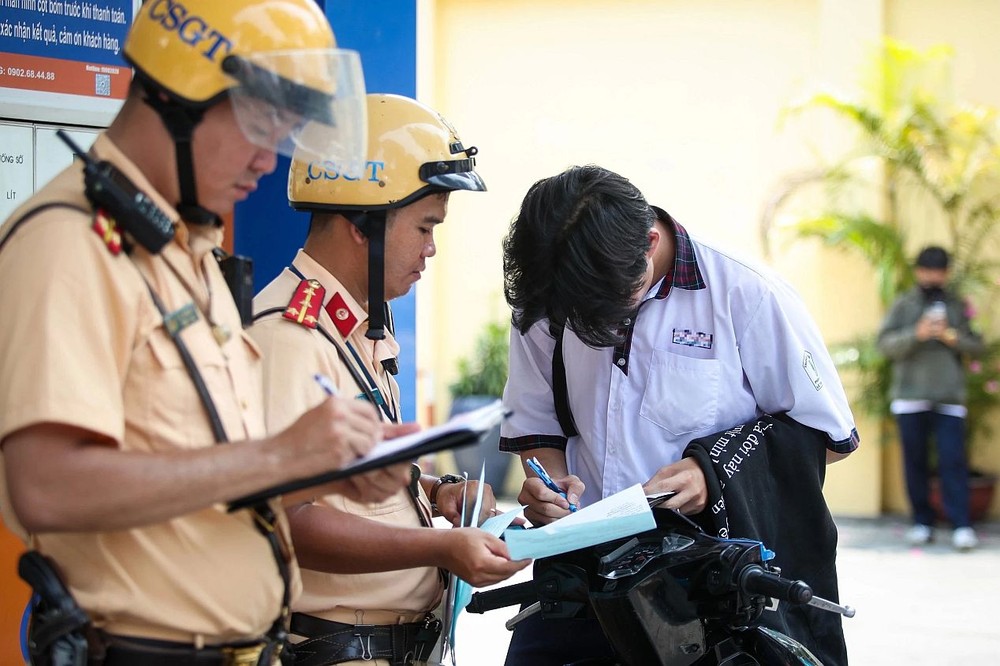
(928, 370)
(765, 482)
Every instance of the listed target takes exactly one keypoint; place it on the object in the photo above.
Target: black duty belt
(335, 642)
(128, 651)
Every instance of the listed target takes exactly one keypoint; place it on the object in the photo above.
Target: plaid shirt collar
(685, 273)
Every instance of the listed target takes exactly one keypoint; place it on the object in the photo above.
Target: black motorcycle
(673, 596)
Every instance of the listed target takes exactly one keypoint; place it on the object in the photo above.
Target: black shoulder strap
(560, 391)
(358, 379)
(35, 211)
(265, 519)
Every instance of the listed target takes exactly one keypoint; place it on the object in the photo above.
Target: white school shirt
(719, 346)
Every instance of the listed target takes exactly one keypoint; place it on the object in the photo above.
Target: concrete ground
(915, 606)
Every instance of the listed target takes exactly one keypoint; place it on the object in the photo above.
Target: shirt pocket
(174, 408)
(681, 393)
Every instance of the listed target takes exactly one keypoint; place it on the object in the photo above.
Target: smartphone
(937, 310)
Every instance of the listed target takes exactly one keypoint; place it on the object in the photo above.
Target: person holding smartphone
(927, 335)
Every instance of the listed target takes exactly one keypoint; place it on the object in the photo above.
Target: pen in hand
(325, 383)
(539, 470)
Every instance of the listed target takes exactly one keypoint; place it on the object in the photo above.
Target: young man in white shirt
(663, 340)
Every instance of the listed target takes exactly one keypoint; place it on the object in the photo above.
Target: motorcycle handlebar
(509, 595)
(755, 580)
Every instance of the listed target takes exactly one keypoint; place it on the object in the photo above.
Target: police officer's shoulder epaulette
(342, 317)
(306, 302)
(107, 230)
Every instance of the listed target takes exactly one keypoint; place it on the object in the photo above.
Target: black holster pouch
(57, 633)
(238, 271)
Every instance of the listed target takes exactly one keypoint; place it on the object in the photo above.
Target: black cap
(933, 257)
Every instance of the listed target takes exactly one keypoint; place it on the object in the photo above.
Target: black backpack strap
(560, 390)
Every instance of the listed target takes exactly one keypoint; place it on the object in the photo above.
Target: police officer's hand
(544, 505)
(477, 557)
(329, 436)
(450, 496)
(687, 480)
(373, 486)
(382, 483)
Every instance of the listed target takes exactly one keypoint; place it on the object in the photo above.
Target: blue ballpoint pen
(538, 469)
(325, 384)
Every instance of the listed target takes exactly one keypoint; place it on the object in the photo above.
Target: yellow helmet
(412, 151)
(276, 60)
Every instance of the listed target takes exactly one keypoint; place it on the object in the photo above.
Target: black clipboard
(462, 430)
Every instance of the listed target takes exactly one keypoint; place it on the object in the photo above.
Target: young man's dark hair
(576, 253)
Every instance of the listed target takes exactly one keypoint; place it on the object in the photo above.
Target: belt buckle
(242, 656)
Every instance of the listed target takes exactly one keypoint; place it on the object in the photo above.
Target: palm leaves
(926, 167)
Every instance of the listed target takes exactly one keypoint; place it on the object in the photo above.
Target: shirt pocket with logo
(682, 393)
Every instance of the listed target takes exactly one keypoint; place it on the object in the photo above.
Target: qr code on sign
(102, 85)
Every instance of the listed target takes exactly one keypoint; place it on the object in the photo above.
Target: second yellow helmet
(412, 151)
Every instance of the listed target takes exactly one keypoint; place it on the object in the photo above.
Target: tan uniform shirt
(294, 353)
(82, 344)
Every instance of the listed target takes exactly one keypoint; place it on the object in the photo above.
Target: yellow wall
(684, 98)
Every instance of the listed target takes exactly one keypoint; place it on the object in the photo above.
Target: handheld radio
(109, 189)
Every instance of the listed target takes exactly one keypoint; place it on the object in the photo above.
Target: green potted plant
(934, 165)
(481, 380)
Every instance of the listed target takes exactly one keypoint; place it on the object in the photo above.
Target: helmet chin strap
(372, 224)
(376, 275)
(180, 121)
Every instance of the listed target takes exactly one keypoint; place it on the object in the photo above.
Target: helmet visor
(453, 174)
(279, 93)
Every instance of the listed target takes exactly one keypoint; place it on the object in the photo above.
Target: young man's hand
(544, 505)
(687, 480)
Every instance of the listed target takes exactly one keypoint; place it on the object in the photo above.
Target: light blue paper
(462, 590)
(497, 524)
(459, 591)
(616, 516)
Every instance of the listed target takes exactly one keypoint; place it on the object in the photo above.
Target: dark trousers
(915, 431)
(539, 642)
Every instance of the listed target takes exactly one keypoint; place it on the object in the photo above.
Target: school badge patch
(809, 365)
(689, 338)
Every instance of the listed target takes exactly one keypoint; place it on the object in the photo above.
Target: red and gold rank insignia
(305, 304)
(341, 315)
(105, 227)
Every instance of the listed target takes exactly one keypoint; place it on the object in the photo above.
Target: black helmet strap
(372, 225)
(180, 120)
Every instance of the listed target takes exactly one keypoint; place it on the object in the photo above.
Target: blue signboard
(64, 47)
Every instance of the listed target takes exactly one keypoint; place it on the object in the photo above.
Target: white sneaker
(919, 535)
(964, 538)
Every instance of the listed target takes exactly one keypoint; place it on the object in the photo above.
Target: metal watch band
(446, 478)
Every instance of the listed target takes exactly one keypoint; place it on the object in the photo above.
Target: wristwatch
(447, 478)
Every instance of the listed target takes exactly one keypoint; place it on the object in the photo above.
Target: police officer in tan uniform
(371, 571)
(113, 461)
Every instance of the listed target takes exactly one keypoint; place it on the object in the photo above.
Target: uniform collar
(335, 291)
(198, 241)
(685, 273)
(337, 298)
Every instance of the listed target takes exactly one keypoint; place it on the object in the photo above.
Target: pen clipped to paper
(539, 470)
